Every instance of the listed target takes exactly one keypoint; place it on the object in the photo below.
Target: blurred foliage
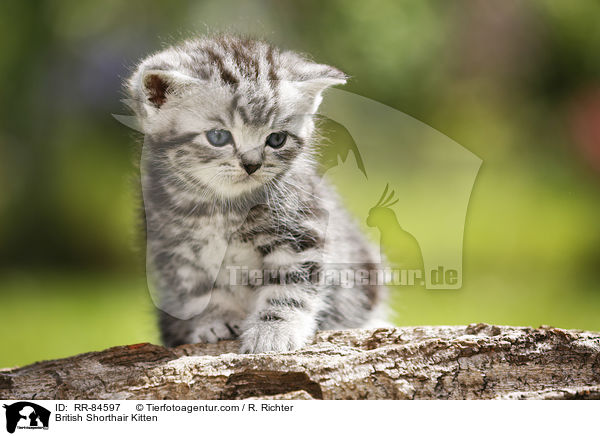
(515, 82)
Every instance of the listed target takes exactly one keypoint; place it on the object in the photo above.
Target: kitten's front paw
(272, 337)
(215, 331)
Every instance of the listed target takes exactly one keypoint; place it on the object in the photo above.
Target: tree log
(478, 361)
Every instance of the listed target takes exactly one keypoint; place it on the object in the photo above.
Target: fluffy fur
(206, 216)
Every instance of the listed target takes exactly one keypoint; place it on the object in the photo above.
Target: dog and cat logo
(26, 415)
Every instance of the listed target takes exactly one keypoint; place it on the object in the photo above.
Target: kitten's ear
(154, 87)
(315, 78)
(158, 85)
(318, 77)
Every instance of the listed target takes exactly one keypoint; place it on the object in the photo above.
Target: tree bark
(478, 361)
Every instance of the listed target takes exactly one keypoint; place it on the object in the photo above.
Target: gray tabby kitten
(230, 186)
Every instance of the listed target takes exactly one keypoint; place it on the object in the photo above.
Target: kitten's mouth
(246, 178)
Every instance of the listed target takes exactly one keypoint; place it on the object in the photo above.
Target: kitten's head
(229, 115)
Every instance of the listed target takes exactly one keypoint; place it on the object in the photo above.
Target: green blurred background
(515, 82)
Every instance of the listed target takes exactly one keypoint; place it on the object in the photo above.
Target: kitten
(230, 184)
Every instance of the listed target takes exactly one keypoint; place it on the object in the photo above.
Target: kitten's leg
(287, 305)
(222, 319)
(192, 308)
(217, 326)
(213, 325)
(284, 319)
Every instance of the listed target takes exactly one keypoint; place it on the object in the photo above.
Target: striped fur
(206, 215)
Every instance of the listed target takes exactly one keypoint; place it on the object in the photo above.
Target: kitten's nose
(251, 167)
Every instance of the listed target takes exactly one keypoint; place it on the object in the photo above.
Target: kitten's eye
(218, 137)
(276, 140)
